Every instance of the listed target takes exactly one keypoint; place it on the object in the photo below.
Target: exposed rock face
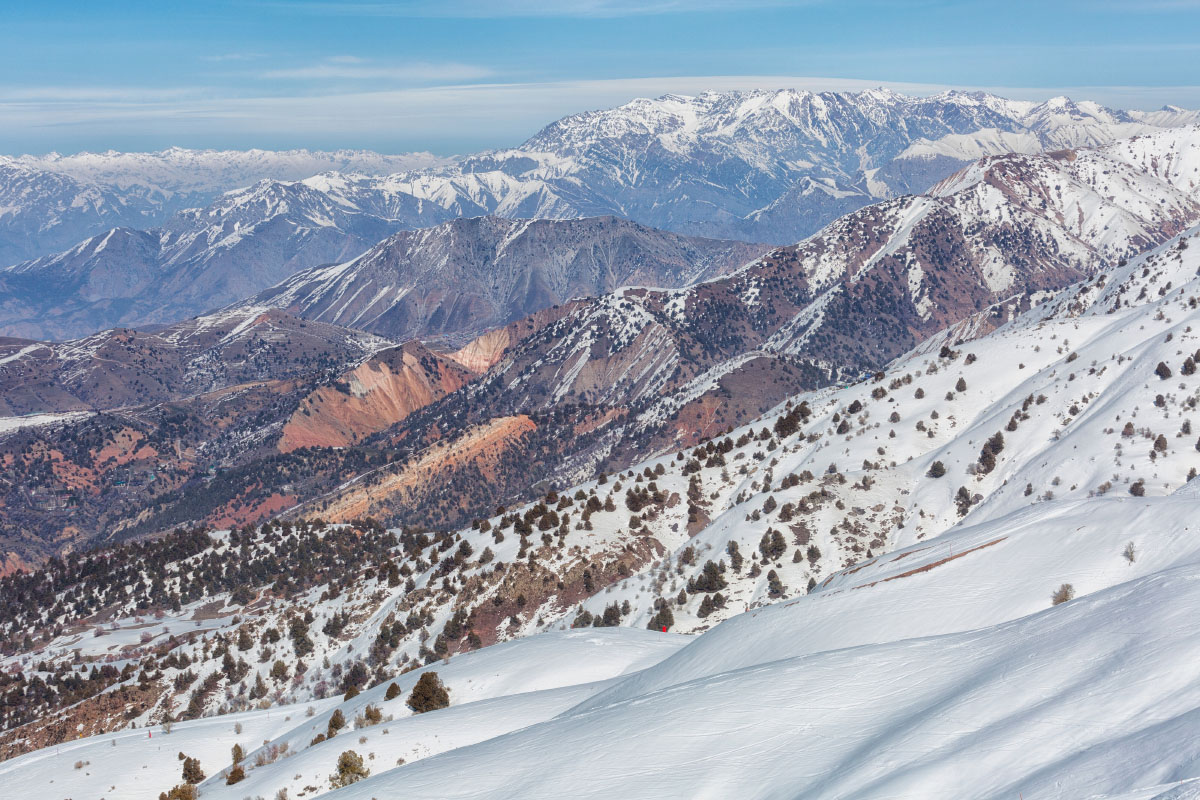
(477, 454)
(372, 397)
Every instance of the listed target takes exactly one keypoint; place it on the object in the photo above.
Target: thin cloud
(1150, 5)
(100, 94)
(354, 68)
(531, 8)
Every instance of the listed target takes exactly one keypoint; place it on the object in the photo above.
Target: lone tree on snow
(429, 694)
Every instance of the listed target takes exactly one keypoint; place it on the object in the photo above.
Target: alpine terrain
(754, 444)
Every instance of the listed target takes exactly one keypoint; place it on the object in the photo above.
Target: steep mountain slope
(461, 278)
(372, 397)
(848, 473)
(48, 203)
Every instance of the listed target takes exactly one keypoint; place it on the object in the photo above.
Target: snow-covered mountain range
(771, 166)
(454, 280)
(756, 166)
(200, 260)
(178, 178)
(591, 384)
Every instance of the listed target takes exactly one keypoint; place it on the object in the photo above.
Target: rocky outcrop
(372, 397)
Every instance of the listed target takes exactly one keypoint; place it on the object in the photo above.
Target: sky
(462, 75)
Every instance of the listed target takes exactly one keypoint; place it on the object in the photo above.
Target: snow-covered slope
(1072, 388)
(494, 692)
(936, 508)
(1095, 696)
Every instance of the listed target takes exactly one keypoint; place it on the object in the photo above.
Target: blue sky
(461, 75)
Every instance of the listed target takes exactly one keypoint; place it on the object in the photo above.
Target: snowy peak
(1122, 197)
(769, 144)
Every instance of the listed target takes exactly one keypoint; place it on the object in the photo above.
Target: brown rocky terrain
(373, 396)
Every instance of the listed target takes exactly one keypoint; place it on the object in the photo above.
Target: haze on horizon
(458, 76)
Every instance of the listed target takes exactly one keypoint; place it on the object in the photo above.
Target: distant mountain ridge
(201, 259)
(764, 166)
(771, 166)
(52, 201)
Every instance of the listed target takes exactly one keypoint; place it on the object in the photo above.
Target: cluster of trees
(187, 566)
(26, 697)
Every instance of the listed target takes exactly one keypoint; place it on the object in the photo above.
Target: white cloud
(354, 68)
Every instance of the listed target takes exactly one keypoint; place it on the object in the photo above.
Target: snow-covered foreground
(937, 671)
(493, 692)
(916, 676)
(31, 420)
